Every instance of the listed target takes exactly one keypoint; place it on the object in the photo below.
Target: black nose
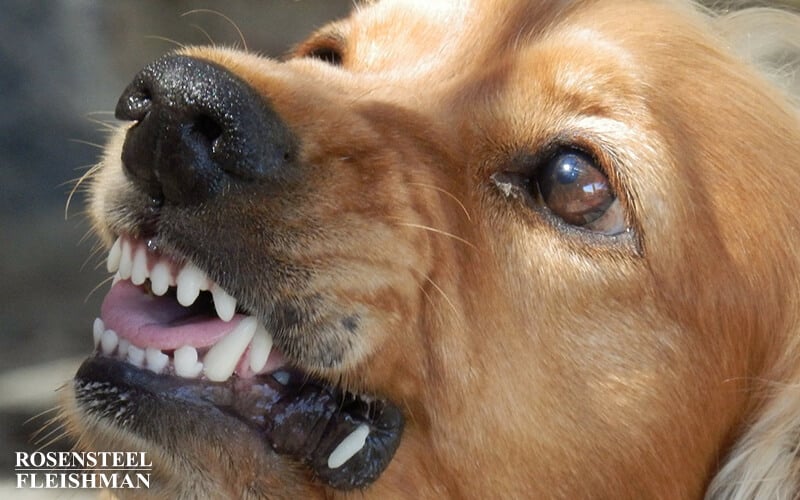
(199, 127)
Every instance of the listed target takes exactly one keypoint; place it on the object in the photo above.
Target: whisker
(41, 414)
(95, 253)
(104, 282)
(57, 430)
(168, 40)
(437, 231)
(55, 419)
(223, 16)
(89, 173)
(445, 192)
(444, 295)
(88, 143)
(106, 125)
(56, 438)
(86, 235)
(205, 33)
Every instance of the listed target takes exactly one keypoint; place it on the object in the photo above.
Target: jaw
(240, 435)
(210, 454)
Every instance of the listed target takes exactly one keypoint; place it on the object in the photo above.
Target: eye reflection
(572, 187)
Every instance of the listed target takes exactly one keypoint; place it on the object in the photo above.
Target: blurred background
(63, 64)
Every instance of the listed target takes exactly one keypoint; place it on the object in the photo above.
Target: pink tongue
(160, 322)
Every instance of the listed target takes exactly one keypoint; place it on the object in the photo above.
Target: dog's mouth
(167, 330)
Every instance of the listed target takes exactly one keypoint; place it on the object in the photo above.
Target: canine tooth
(223, 303)
(97, 331)
(156, 360)
(139, 267)
(260, 348)
(136, 356)
(190, 281)
(112, 263)
(159, 278)
(349, 446)
(122, 348)
(186, 364)
(108, 342)
(222, 358)
(125, 261)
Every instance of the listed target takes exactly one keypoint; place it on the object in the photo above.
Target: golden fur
(534, 361)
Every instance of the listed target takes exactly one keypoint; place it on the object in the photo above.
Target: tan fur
(533, 362)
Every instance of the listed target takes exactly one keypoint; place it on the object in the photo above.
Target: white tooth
(125, 261)
(97, 331)
(260, 348)
(117, 279)
(190, 281)
(108, 342)
(186, 364)
(139, 268)
(223, 303)
(136, 356)
(349, 446)
(159, 278)
(122, 351)
(222, 358)
(112, 264)
(156, 360)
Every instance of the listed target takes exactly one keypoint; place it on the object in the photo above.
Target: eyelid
(330, 38)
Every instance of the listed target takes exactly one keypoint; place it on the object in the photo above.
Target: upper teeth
(132, 261)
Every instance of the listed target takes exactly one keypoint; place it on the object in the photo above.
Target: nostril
(134, 104)
(207, 129)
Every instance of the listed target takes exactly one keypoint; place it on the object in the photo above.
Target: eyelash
(328, 54)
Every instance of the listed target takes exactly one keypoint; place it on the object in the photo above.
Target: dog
(458, 249)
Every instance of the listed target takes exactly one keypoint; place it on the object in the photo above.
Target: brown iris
(574, 189)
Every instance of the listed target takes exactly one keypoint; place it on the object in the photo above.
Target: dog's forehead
(444, 29)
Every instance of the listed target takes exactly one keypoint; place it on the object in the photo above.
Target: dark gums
(301, 419)
(311, 420)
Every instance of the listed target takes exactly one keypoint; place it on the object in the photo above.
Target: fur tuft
(770, 40)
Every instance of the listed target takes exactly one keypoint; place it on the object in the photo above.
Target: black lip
(303, 419)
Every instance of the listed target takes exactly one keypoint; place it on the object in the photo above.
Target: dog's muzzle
(169, 335)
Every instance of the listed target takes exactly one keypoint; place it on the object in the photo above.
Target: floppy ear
(764, 463)
(769, 39)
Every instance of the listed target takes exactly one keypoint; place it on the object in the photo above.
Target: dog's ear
(770, 40)
(764, 462)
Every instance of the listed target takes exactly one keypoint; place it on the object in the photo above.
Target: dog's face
(502, 248)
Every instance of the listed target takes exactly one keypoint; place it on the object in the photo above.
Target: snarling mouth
(167, 330)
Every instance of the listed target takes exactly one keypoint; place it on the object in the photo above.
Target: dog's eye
(570, 186)
(329, 54)
(574, 189)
